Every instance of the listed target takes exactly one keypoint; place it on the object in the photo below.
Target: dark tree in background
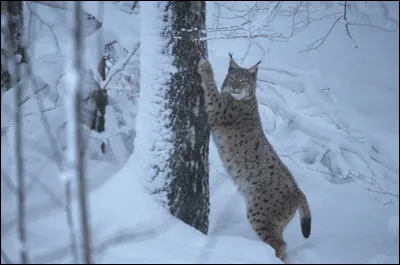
(188, 194)
(13, 54)
(14, 11)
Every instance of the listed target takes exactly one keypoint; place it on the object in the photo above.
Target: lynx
(271, 193)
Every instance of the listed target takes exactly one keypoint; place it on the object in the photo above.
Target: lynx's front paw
(204, 68)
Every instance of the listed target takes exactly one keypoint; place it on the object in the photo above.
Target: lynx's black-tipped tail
(305, 215)
(306, 226)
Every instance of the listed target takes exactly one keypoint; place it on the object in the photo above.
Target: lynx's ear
(254, 69)
(232, 63)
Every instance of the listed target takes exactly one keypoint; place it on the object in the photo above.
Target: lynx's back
(269, 188)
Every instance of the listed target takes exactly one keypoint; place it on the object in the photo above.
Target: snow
(331, 114)
(393, 226)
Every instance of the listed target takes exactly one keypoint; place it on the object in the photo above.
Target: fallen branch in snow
(383, 192)
(290, 156)
(384, 203)
(321, 171)
(266, 81)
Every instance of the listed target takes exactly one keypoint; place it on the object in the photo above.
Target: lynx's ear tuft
(254, 69)
(232, 63)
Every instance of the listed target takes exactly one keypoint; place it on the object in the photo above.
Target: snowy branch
(119, 66)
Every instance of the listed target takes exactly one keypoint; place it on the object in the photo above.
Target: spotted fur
(270, 190)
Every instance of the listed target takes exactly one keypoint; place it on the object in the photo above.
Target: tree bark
(78, 65)
(188, 194)
(14, 11)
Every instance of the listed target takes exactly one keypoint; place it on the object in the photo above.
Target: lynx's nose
(235, 85)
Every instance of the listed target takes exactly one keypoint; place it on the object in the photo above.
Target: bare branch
(321, 41)
(295, 12)
(7, 181)
(386, 13)
(347, 25)
(370, 26)
(55, 4)
(53, 197)
(135, 4)
(266, 81)
(383, 192)
(50, 27)
(119, 66)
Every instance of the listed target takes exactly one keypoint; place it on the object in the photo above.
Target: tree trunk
(188, 194)
(14, 11)
(80, 165)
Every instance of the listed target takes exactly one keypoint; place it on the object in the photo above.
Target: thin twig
(294, 16)
(50, 27)
(124, 63)
(322, 40)
(7, 181)
(383, 192)
(266, 81)
(54, 4)
(371, 26)
(347, 24)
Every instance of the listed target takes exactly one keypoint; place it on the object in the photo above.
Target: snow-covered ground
(331, 114)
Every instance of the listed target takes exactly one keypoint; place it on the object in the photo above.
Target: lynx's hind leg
(273, 237)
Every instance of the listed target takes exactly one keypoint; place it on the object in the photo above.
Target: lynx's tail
(305, 215)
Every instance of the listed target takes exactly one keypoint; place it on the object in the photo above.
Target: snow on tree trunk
(188, 196)
(173, 134)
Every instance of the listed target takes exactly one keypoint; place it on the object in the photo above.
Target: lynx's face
(240, 82)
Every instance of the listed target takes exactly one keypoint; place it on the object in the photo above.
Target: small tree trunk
(12, 38)
(79, 139)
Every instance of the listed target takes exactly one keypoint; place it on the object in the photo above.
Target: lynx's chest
(228, 145)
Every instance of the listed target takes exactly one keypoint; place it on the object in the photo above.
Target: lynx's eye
(243, 81)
